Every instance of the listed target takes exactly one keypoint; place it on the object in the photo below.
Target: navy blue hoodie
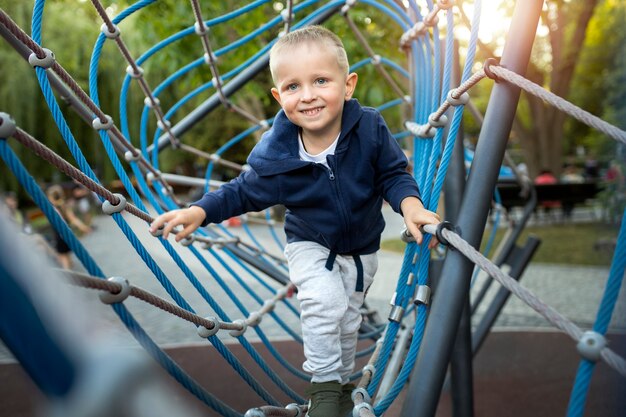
(340, 207)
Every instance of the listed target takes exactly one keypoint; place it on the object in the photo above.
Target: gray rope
(524, 294)
(560, 103)
(88, 281)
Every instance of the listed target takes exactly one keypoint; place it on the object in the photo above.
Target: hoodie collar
(277, 151)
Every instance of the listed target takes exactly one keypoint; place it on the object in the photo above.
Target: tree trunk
(544, 145)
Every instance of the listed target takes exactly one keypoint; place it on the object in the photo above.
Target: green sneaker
(345, 401)
(324, 399)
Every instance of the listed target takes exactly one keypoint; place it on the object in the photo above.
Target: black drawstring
(330, 261)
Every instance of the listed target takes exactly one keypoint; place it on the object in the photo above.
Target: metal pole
(461, 361)
(449, 300)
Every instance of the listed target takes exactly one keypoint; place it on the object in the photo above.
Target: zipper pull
(331, 175)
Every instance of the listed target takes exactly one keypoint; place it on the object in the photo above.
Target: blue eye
(321, 81)
(292, 87)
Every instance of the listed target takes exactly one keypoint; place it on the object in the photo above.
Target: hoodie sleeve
(391, 167)
(247, 192)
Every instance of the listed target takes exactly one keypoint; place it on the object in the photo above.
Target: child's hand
(190, 218)
(415, 216)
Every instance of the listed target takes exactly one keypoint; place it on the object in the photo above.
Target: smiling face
(312, 88)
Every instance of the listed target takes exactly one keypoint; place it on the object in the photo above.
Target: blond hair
(309, 34)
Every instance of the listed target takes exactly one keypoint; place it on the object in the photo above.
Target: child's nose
(308, 94)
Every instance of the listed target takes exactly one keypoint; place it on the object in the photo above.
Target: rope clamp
(208, 59)
(440, 122)
(188, 240)
(294, 407)
(356, 411)
(269, 305)
(113, 298)
(284, 14)
(348, 6)
(255, 412)
(590, 345)
(396, 314)
(45, 62)
(151, 176)
(363, 392)
(111, 35)
(134, 74)
(254, 319)
(264, 124)
(448, 226)
(110, 208)
(158, 232)
(164, 124)
(244, 327)
(422, 295)
(462, 100)
(130, 156)
(206, 333)
(410, 279)
(151, 102)
(98, 124)
(487, 68)
(200, 29)
(369, 368)
(7, 126)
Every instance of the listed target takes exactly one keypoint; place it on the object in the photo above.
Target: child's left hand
(415, 216)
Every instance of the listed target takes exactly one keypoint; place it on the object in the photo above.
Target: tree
(540, 130)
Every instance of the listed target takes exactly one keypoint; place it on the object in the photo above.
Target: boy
(330, 162)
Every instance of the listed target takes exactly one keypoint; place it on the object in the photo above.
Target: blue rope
(38, 196)
(582, 382)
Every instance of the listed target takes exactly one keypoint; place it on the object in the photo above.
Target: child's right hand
(190, 218)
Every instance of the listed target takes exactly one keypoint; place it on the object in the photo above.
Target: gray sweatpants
(330, 308)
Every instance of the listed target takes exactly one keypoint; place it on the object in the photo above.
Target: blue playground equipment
(236, 277)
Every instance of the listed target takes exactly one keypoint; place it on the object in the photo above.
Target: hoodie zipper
(342, 207)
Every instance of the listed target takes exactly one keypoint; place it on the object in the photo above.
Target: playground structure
(407, 344)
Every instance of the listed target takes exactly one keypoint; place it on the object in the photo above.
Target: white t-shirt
(320, 158)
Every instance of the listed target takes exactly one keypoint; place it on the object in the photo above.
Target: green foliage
(599, 83)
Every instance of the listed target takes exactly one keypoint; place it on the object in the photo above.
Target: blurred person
(56, 195)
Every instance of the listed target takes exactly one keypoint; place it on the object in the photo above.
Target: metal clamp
(45, 62)
(422, 295)
(237, 333)
(111, 35)
(112, 298)
(98, 124)
(396, 314)
(131, 71)
(109, 208)
(7, 125)
(356, 411)
(204, 332)
(590, 345)
(462, 100)
(130, 156)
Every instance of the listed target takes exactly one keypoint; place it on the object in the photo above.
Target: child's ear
(276, 95)
(351, 84)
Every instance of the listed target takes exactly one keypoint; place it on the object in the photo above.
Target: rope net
(249, 290)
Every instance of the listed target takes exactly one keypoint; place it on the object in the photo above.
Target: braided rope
(526, 295)
(560, 103)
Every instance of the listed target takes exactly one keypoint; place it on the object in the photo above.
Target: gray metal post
(461, 361)
(449, 300)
